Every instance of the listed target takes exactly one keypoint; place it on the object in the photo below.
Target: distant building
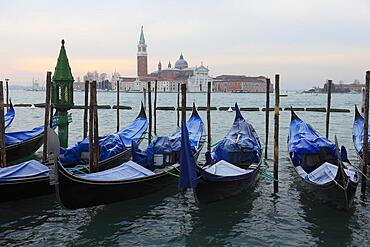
(198, 82)
(240, 83)
(355, 87)
(167, 78)
(102, 80)
(36, 86)
(79, 85)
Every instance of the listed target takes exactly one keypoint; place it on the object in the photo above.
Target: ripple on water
(254, 218)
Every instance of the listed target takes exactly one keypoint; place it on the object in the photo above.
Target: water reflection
(114, 222)
(329, 226)
(212, 224)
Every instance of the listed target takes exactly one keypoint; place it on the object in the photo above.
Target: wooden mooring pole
(183, 103)
(209, 115)
(96, 130)
(267, 115)
(276, 133)
(178, 104)
(365, 148)
(91, 128)
(2, 129)
(117, 105)
(363, 91)
(86, 108)
(150, 112)
(155, 107)
(144, 92)
(328, 109)
(47, 117)
(7, 93)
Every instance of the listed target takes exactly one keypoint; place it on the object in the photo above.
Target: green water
(290, 218)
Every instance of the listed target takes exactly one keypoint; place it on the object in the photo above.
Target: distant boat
(284, 94)
(230, 109)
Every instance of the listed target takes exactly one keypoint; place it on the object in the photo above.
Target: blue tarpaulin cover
(358, 133)
(21, 136)
(172, 143)
(303, 139)
(109, 145)
(127, 171)
(188, 174)
(241, 144)
(26, 169)
(9, 116)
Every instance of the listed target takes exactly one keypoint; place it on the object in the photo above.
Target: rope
(78, 169)
(359, 170)
(343, 188)
(214, 144)
(266, 175)
(175, 175)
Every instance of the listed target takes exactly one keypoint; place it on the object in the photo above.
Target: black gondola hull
(71, 188)
(23, 150)
(211, 191)
(33, 187)
(25, 188)
(332, 194)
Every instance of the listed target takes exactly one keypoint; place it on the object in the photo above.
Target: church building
(167, 78)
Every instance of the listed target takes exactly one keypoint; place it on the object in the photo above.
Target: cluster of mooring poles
(91, 126)
(91, 130)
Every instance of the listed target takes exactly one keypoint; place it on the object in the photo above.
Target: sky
(305, 41)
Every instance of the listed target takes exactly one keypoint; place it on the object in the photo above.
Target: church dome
(181, 63)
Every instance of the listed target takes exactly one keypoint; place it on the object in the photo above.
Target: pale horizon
(306, 42)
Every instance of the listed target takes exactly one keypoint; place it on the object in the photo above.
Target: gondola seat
(312, 161)
(326, 173)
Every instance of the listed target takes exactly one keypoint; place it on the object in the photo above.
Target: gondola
(322, 168)
(31, 178)
(149, 171)
(232, 166)
(24, 180)
(9, 116)
(358, 133)
(22, 144)
(114, 149)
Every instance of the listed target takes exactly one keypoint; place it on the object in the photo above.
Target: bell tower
(142, 56)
